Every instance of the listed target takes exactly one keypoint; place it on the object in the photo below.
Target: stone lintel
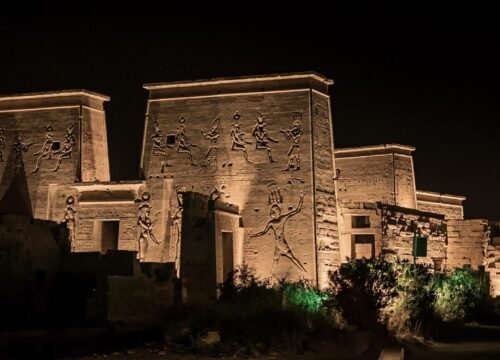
(52, 99)
(374, 150)
(439, 198)
(235, 85)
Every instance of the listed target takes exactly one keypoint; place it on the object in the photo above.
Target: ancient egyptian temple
(233, 171)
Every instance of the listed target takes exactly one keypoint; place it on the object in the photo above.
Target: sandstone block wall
(399, 226)
(326, 210)
(449, 205)
(124, 203)
(382, 173)
(63, 140)
(347, 232)
(264, 173)
(467, 243)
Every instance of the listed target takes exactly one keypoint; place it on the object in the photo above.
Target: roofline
(240, 79)
(49, 94)
(440, 195)
(374, 147)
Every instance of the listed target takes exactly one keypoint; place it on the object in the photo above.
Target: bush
(388, 296)
(253, 311)
(458, 296)
(410, 304)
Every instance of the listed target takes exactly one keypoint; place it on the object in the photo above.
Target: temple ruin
(233, 171)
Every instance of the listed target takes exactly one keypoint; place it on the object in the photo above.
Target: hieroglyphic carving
(239, 143)
(262, 137)
(146, 225)
(2, 143)
(69, 220)
(212, 136)
(294, 134)
(293, 163)
(66, 148)
(159, 144)
(183, 144)
(274, 195)
(409, 177)
(322, 123)
(45, 152)
(175, 235)
(295, 181)
(277, 223)
(19, 148)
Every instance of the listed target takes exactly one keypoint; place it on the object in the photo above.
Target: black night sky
(424, 77)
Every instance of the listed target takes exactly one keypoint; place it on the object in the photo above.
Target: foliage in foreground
(405, 298)
(458, 296)
(259, 315)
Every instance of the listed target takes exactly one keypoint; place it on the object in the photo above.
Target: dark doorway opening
(107, 232)
(227, 253)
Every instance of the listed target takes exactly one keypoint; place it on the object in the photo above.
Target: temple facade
(233, 171)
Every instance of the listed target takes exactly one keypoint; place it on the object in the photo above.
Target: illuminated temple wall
(105, 216)
(200, 133)
(66, 125)
(261, 145)
(367, 175)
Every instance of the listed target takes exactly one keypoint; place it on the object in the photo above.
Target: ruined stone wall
(399, 226)
(449, 210)
(493, 259)
(451, 206)
(198, 251)
(467, 243)
(29, 260)
(204, 157)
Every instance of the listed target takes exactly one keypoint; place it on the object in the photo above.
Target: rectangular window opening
(359, 222)
(56, 145)
(170, 139)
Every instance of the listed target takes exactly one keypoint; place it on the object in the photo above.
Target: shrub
(375, 293)
(255, 311)
(410, 304)
(458, 295)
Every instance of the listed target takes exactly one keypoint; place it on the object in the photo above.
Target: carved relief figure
(239, 141)
(274, 195)
(293, 163)
(176, 228)
(159, 144)
(183, 144)
(2, 143)
(19, 148)
(146, 225)
(69, 220)
(45, 152)
(212, 136)
(262, 137)
(277, 223)
(66, 148)
(294, 134)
